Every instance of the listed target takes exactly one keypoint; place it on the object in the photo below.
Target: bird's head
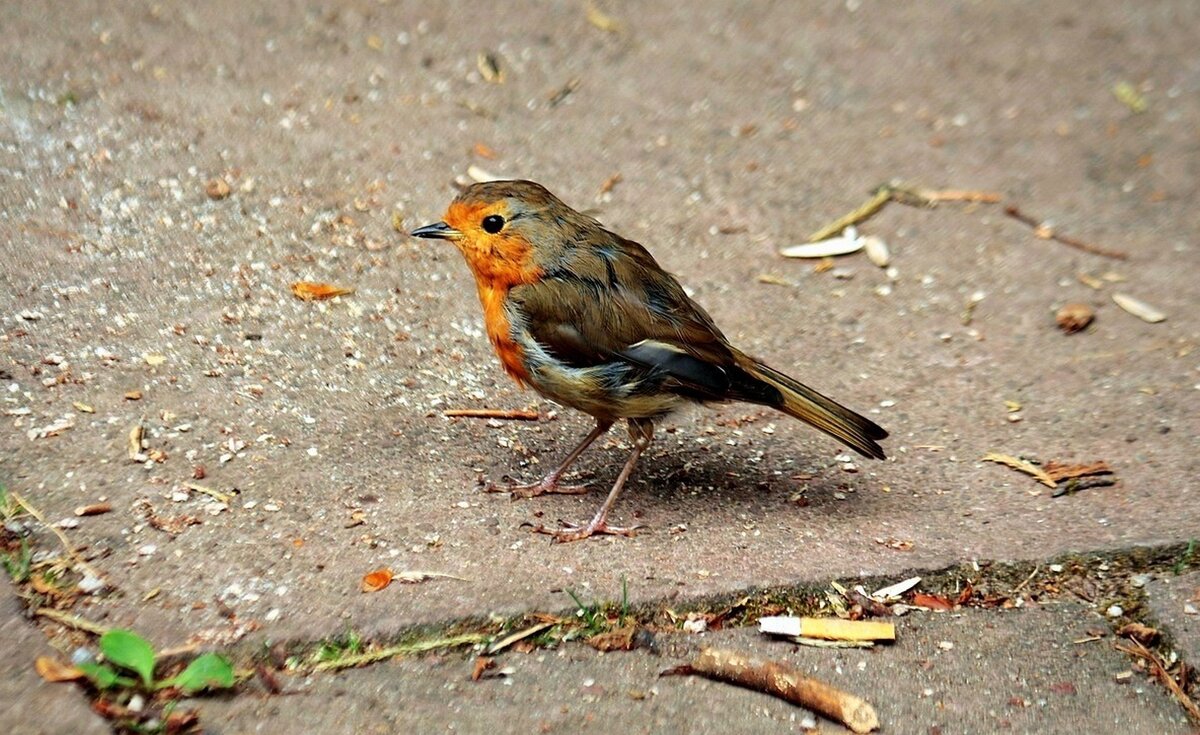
(507, 230)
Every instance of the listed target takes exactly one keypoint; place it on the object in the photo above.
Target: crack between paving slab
(1101, 579)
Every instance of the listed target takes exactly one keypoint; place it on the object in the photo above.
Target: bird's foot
(571, 532)
(545, 486)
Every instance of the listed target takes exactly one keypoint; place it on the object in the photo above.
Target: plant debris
(311, 291)
(844, 244)
(601, 20)
(53, 670)
(1139, 308)
(1074, 317)
(489, 67)
(1128, 95)
(1021, 466)
(781, 680)
(1046, 232)
(376, 580)
(493, 413)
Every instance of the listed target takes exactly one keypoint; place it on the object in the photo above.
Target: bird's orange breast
(499, 330)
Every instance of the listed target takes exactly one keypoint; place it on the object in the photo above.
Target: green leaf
(103, 676)
(130, 651)
(209, 671)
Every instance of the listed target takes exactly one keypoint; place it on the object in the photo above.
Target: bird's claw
(545, 486)
(570, 532)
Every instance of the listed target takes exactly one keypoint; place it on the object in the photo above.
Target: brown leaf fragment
(871, 607)
(965, 595)
(1059, 472)
(313, 291)
(482, 665)
(268, 678)
(377, 580)
(620, 639)
(217, 188)
(1143, 634)
(1063, 687)
(93, 509)
(181, 721)
(135, 443)
(933, 602)
(1021, 466)
(51, 669)
(1074, 317)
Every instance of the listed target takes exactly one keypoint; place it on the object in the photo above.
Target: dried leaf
(933, 602)
(310, 291)
(217, 188)
(520, 635)
(376, 580)
(1072, 318)
(1021, 466)
(482, 664)
(620, 639)
(51, 669)
(135, 442)
(1140, 309)
(93, 509)
(1143, 634)
(1060, 472)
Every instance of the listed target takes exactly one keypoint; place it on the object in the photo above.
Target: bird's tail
(857, 432)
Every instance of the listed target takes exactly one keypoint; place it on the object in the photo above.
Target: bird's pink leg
(549, 483)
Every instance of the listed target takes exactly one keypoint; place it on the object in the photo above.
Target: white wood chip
(877, 251)
(843, 244)
(1140, 309)
(895, 590)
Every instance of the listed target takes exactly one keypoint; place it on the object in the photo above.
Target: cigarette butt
(830, 629)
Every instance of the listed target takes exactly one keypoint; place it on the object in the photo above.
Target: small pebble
(1115, 611)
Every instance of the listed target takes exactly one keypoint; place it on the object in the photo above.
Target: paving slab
(976, 672)
(28, 704)
(129, 296)
(1175, 602)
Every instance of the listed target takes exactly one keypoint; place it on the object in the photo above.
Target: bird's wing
(611, 301)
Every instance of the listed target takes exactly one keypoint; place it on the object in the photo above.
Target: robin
(589, 320)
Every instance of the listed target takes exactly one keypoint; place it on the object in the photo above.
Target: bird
(589, 319)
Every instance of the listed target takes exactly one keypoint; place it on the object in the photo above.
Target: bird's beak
(437, 231)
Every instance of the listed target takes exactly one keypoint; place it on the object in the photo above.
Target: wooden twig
(781, 680)
(492, 413)
(1044, 231)
(71, 621)
(881, 197)
(913, 196)
(62, 537)
(1160, 672)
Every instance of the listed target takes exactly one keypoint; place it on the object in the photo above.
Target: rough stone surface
(29, 705)
(979, 672)
(1176, 602)
(133, 291)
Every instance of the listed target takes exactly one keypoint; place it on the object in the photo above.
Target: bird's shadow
(676, 477)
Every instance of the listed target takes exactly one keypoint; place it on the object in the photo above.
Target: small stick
(62, 537)
(1044, 231)
(214, 494)
(1160, 672)
(71, 621)
(492, 413)
(881, 197)
(781, 680)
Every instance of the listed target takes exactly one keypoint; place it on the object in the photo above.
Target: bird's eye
(493, 223)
